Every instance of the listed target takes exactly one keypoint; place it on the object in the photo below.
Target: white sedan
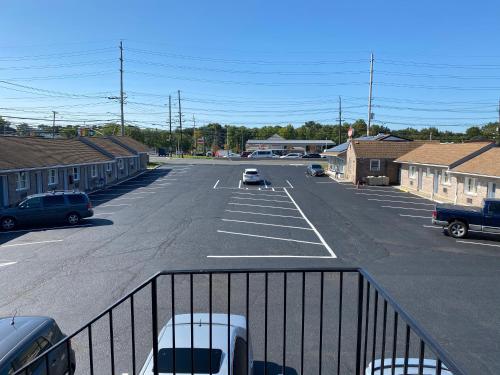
(293, 155)
(251, 175)
(236, 356)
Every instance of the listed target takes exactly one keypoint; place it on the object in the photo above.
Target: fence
(298, 321)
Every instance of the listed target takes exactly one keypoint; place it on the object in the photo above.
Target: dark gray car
(69, 207)
(24, 338)
(315, 170)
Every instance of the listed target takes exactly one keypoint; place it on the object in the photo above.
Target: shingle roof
(444, 154)
(383, 150)
(26, 152)
(486, 164)
(108, 145)
(132, 143)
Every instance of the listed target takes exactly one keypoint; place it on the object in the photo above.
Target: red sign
(200, 141)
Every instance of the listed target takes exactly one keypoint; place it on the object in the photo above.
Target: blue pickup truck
(460, 219)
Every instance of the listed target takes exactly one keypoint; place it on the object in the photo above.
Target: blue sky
(253, 63)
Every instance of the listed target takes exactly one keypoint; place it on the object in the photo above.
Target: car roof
(24, 327)
(56, 193)
(251, 170)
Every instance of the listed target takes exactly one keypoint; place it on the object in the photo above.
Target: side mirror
(22, 206)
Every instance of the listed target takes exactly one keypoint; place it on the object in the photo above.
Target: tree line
(215, 136)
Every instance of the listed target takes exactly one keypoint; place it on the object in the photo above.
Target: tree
(5, 127)
(473, 131)
(23, 129)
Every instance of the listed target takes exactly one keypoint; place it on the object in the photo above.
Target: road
(189, 215)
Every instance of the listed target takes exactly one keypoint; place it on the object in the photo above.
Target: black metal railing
(298, 321)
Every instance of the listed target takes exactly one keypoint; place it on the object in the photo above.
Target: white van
(262, 154)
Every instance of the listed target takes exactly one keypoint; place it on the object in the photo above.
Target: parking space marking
(7, 264)
(289, 184)
(263, 214)
(103, 213)
(388, 195)
(257, 205)
(312, 226)
(407, 208)
(273, 189)
(391, 201)
(116, 205)
(261, 199)
(30, 243)
(272, 225)
(272, 256)
(269, 237)
(217, 183)
(265, 183)
(325, 182)
(46, 228)
(415, 216)
(478, 243)
(376, 190)
(262, 194)
(239, 185)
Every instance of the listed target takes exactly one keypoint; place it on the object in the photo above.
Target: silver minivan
(262, 154)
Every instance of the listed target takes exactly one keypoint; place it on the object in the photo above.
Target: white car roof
(201, 334)
(251, 170)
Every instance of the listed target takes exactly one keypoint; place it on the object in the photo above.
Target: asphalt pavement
(191, 215)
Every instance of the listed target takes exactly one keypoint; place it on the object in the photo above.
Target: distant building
(284, 146)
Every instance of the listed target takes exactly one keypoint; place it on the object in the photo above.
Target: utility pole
(498, 125)
(180, 118)
(121, 89)
(340, 120)
(370, 97)
(54, 124)
(170, 122)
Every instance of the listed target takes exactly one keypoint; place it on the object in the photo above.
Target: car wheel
(8, 223)
(458, 229)
(73, 218)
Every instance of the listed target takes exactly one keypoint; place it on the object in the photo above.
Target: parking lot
(190, 216)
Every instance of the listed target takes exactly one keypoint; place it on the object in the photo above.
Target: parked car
(209, 154)
(23, 338)
(251, 175)
(292, 155)
(315, 170)
(70, 207)
(262, 154)
(429, 366)
(245, 154)
(460, 219)
(312, 156)
(221, 355)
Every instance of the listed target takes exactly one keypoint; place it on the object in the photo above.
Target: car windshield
(201, 361)
(251, 172)
(316, 166)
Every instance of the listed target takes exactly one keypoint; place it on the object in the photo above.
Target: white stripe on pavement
(260, 199)
(30, 243)
(312, 226)
(407, 208)
(47, 228)
(289, 184)
(115, 205)
(272, 225)
(269, 237)
(217, 183)
(391, 201)
(272, 256)
(478, 243)
(257, 205)
(263, 214)
(262, 194)
(391, 196)
(7, 264)
(418, 217)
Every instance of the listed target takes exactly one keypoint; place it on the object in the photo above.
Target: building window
(470, 186)
(120, 163)
(22, 182)
(375, 165)
(108, 167)
(412, 171)
(52, 176)
(76, 174)
(445, 177)
(93, 170)
(131, 162)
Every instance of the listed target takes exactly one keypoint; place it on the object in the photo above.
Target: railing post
(154, 316)
(360, 324)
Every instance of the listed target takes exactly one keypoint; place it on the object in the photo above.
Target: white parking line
(418, 217)
(263, 214)
(269, 237)
(272, 256)
(312, 226)
(217, 183)
(376, 190)
(407, 208)
(115, 205)
(325, 182)
(391, 201)
(260, 199)
(257, 205)
(47, 228)
(391, 196)
(7, 264)
(289, 184)
(432, 227)
(103, 213)
(262, 194)
(265, 183)
(30, 243)
(239, 185)
(273, 189)
(272, 225)
(478, 243)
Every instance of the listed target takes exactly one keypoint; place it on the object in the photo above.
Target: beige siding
(350, 167)
(475, 199)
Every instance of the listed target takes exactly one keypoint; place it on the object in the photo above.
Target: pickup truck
(460, 219)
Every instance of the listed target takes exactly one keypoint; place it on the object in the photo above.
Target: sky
(253, 63)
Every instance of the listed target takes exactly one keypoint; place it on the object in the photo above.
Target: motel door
(436, 181)
(492, 188)
(420, 172)
(39, 182)
(3, 192)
